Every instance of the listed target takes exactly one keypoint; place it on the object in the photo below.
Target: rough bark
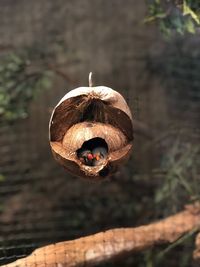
(196, 254)
(104, 246)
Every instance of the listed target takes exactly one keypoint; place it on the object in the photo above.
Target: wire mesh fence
(40, 203)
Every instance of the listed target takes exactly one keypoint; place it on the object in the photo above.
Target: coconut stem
(90, 80)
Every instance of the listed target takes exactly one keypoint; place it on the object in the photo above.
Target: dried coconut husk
(88, 113)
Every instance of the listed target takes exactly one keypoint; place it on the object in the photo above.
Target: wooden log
(196, 254)
(104, 246)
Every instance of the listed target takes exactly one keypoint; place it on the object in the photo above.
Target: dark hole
(94, 143)
(104, 172)
(93, 152)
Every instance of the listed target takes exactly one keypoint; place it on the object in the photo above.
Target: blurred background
(146, 50)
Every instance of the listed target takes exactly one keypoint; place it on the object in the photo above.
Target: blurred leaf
(160, 15)
(2, 177)
(19, 85)
(188, 11)
(174, 17)
(180, 166)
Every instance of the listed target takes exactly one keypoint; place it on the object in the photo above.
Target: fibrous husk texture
(89, 113)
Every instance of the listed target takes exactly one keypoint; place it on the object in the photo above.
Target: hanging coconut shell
(91, 131)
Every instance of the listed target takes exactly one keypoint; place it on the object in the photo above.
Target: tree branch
(110, 244)
(196, 254)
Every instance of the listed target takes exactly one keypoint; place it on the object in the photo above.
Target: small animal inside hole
(93, 152)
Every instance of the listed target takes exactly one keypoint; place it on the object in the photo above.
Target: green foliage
(180, 167)
(19, 84)
(191, 8)
(155, 11)
(2, 177)
(177, 184)
(185, 259)
(174, 16)
(177, 177)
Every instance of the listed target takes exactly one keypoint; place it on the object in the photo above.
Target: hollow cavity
(93, 152)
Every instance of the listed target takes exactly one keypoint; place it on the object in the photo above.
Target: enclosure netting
(40, 203)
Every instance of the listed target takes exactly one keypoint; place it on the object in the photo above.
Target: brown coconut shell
(87, 113)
